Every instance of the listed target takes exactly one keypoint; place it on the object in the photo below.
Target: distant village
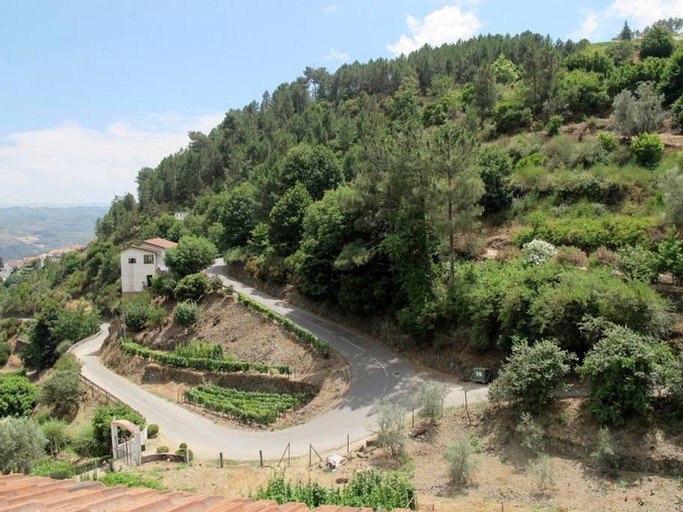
(10, 266)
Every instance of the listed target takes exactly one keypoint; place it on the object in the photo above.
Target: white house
(180, 215)
(141, 262)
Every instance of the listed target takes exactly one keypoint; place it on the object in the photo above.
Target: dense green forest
(376, 187)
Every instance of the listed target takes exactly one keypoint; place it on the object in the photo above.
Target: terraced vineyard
(244, 406)
(180, 359)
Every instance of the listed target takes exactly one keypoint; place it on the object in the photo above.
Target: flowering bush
(538, 252)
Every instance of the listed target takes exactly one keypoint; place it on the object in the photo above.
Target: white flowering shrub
(538, 252)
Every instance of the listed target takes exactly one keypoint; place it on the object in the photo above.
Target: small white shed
(141, 262)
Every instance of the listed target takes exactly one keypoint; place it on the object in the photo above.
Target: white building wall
(134, 275)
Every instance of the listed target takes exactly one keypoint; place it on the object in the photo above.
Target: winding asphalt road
(375, 372)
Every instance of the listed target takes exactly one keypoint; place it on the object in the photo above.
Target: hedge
(199, 363)
(303, 335)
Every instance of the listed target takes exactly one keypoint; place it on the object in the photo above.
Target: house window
(131, 261)
(148, 259)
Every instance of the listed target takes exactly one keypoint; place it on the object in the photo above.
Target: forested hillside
(376, 188)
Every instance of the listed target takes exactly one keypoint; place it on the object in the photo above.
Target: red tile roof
(161, 242)
(37, 494)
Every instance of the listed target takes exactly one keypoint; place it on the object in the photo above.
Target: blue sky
(93, 90)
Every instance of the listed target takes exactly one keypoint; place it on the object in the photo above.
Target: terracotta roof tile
(19, 493)
(160, 242)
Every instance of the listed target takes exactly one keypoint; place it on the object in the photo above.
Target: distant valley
(30, 231)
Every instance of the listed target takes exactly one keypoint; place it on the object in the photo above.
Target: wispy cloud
(588, 27)
(337, 55)
(639, 14)
(71, 163)
(445, 25)
(332, 9)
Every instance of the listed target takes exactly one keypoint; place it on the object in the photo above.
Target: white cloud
(588, 27)
(332, 9)
(645, 12)
(445, 25)
(73, 164)
(638, 13)
(336, 55)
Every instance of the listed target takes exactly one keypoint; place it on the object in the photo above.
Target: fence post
(467, 410)
(310, 453)
(413, 418)
(220, 459)
(260, 456)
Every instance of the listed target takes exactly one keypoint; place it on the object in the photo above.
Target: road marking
(351, 343)
(320, 327)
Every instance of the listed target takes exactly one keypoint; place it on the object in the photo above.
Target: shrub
(605, 455)
(376, 490)
(658, 41)
(191, 255)
(17, 396)
(102, 421)
(83, 441)
(568, 255)
(532, 433)
(460, 465)
(129, 480)
(62, 391)
(184, 452)
(152, 430)
(538, 252)
(543, 469)
(554, 124)
(672, 186)
(186, 314)
(637, 263)
(670, 256)
(638, 113)
(430, 400)
(164, 285)
(193, 287)
(624, 369)
(136, 311)
(531, 374)
(607, 141)
(390, 427)
(647, 149)
(57, 469)
(23, 444)
(56, 435)
(163, 449)
(510, 115)
(4, 353)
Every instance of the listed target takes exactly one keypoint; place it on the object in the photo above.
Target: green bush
(129, 480)
(647, 149)
(625, 370)
(163, 285)
(101, 424)
(607, 141)
(136, 311)
(57, 469)
(23, 444)
(531, 432)
(152, 430)
(377, 490)
(430, 400)
(390, 427)
(83, 441)
(163, 449)
(605, 455)
(532, 374)
(186, 314)
(4, 353)
(62, 391)
(538, 252)
(637, 263)
(56, 435)
(460, 464)
(553, 125)
(510, 115)
(193, 287)
(568, 255)
(670, 256)
(17, 395)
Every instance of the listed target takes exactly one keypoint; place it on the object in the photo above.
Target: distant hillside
(28, 231)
